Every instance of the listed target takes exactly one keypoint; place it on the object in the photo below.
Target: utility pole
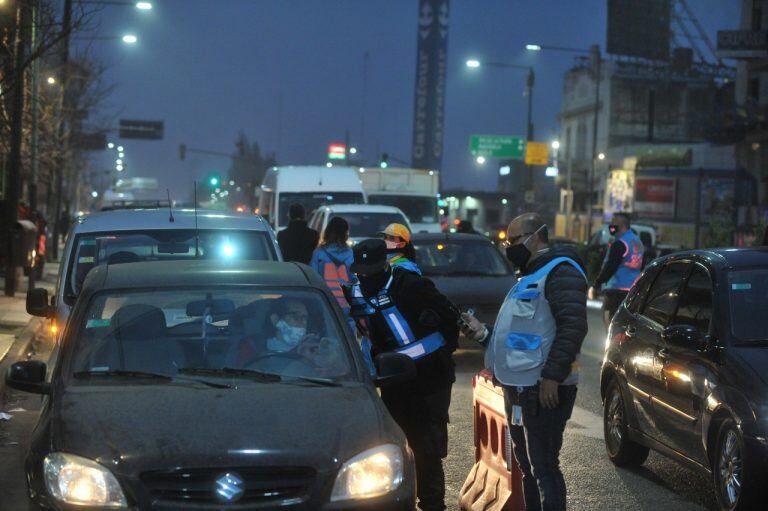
(529, 132)
(34, 84)
(595, 51)
(66, 29)
(21, 38)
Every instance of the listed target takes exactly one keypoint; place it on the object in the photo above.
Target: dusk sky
(213, 68)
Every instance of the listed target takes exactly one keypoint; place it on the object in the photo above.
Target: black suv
(686, 370)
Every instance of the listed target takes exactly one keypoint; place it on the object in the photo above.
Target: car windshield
(367, 225)
(748, 292)
(226, 331)
(417, 209)
(91, 250)
(460, 258)
(312, 200)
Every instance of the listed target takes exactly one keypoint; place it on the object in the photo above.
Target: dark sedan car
(468, 269)
(686, 370)
(204, 385)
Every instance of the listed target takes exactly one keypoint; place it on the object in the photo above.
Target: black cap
(370, 257)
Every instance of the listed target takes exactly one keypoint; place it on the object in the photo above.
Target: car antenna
(170, 206)
(197, 234)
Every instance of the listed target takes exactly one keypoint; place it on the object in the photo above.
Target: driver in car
(289, 319)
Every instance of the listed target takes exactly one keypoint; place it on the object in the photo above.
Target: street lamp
(480, 160)
(51, 80)
(475, 63)
(110, 145)
(353, 150)
(119, 168)
(144, 6)
(130, 39)
(601, 156)
(594, 52)
(555, 145)
(119, 149)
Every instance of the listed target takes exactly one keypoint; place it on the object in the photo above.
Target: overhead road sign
(498, 146)
(147, 130)
(536, 153)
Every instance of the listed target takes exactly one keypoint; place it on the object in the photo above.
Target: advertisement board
(655, 197)
(619, 193)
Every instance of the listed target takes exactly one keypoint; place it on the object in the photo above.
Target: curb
(20, 347)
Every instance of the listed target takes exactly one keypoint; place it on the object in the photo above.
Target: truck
(414, 191)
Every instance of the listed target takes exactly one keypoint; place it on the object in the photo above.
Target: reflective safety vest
(525, 330)
(364, 309)
(334, 273)
(631, 264)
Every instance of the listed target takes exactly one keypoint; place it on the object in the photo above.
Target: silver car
(124, 236)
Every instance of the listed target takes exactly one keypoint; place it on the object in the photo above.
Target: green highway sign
(498, 146)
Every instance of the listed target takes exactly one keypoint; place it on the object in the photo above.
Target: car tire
(733, 474)
(622, 451)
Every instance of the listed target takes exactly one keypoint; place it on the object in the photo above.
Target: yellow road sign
(536, 153)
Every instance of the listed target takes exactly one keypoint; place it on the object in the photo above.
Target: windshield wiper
(258, 375)
(145, 374)
(230, 371)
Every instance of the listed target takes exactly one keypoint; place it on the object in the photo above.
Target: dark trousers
(424, 420)
(537, 444)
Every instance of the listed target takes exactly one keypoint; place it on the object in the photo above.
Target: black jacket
(566, 292)
(611, 264)
(297, 241)
(426, 310)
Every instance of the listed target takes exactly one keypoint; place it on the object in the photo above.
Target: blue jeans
(537, 444)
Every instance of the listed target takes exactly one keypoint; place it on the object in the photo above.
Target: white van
(414, 191)
(365, 220)
(310, 186)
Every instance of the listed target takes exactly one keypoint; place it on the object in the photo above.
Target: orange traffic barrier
(495, 482)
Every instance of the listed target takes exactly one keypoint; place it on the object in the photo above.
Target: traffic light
(213, 181)
(384, 162)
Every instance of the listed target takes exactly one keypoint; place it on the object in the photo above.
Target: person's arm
(566, 292)
(314, 263)
(615, 256)
(421, 293)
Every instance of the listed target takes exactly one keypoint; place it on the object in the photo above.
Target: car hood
(137, 428)
(472, 289)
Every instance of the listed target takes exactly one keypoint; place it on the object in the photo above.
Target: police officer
(532, 350)
(401, 311)
(621, 267)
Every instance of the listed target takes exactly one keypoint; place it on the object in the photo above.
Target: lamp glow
(473, 63)
(144, 6)
(480, 160)
(130, 39)
(533, 47)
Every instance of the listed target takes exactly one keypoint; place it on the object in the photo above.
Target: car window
(286, 332)
(460, 258)
(695, 308)
(663, 295)
(748, 293)
(417, 209)
(91, 250)
(369, 224)
(639, 291)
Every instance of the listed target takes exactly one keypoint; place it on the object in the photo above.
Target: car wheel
(734, 479)
(622, 451)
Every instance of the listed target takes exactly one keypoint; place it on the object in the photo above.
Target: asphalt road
(593, 482)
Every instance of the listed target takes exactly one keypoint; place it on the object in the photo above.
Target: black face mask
(613, 229)
(518, 255)
(370, 285)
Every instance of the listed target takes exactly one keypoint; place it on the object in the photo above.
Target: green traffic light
(214, 181)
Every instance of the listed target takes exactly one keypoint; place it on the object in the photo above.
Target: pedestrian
(333, 258)
(297, 241)
(532, 350)
(402, 252)
(622, 266)
(402, 311)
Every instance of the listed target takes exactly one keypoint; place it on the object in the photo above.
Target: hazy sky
(211, 68)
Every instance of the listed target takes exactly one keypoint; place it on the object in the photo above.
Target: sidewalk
(14, 319)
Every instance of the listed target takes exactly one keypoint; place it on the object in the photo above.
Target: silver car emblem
(230, 487)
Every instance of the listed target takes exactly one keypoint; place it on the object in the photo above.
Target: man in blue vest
(622, 266)
(401, 311)
(532, 350)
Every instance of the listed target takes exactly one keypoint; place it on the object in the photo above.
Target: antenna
(197, 233)
(170, 206)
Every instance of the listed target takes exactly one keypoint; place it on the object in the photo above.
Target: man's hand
(591, 293)
(548, 396)
(475, 330)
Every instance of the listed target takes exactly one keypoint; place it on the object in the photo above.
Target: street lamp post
(529, 82)
(594, 52)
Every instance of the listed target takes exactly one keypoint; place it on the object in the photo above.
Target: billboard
(429, 98)
(655, 197)
(639, 28)
(619, 193)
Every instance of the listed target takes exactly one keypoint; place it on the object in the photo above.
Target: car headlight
(372, 473)
(81, 482)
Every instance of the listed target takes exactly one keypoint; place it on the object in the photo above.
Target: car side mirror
(28, 376)
(394, 369)
(38, 304)
(684, 336)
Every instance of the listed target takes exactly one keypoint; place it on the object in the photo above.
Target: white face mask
(291, 335)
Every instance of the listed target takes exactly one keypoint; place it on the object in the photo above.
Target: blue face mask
(291, 335)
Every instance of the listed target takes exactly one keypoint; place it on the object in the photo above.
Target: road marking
(585, 423)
